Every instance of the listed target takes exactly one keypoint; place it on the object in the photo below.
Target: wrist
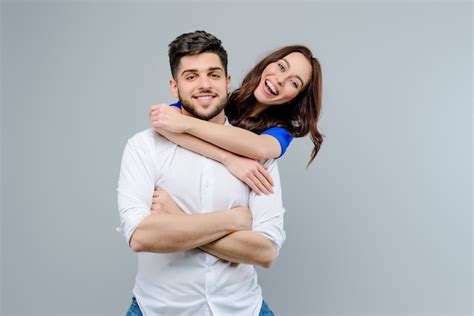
(188, 124)
(232, 221)
(226, 157)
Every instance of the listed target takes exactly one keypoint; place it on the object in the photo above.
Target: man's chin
(209, 112)
(205, 115)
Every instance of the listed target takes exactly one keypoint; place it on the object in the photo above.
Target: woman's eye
(294, 84)
(281, 66)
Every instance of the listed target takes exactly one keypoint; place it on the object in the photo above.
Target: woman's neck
(258, 108)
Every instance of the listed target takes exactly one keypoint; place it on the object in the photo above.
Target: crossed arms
(236, 235)
(216, 233)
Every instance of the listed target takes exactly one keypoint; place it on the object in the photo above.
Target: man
(200, 262)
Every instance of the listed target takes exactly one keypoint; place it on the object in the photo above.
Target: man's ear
(228, 84)
(174, 88)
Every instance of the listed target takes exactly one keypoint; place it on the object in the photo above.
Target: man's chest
(199, 184)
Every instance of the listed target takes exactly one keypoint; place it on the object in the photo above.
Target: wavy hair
(299, 116)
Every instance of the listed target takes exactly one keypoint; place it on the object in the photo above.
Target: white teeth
(271, 86)
(204, 97)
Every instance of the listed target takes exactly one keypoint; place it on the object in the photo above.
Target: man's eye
(190, 77)
(215, 75)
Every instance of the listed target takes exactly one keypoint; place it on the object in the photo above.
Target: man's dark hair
(195, 43)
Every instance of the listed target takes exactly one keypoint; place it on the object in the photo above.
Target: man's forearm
(243, 247)
(169, 232)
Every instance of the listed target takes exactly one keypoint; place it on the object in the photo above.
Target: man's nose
(204, 82)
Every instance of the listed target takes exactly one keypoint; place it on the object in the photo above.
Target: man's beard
(191, 110)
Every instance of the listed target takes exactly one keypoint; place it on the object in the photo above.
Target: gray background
(381, 224)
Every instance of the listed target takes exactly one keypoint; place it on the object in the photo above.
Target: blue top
(280, 133)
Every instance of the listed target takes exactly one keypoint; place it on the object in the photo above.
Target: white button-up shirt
(192, 282)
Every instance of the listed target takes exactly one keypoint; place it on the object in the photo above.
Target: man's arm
(244, 247)
(164, 232)
(260, 246)
(241, 247)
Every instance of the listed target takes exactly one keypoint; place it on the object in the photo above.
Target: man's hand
(242, 218)
(162, 202)
(163, 116)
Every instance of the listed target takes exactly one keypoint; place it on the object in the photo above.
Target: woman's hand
(251, 172)
(163, 116)
(162, 202)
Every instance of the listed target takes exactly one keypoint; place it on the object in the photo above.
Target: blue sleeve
(176, 105)
(282, 135)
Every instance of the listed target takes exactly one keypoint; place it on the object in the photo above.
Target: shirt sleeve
(177, 104)
(268, 210)
(135, 186)
(282, 135)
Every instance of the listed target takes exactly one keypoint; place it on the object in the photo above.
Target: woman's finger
(263, 180)
(258, 184)
(265, 173)
(252, 185)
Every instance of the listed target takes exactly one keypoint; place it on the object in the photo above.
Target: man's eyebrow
(216, 68)
(197, 70)
(188, 70)
(289, 66)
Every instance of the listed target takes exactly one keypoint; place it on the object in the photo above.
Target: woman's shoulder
(281, 134)
(177, 104)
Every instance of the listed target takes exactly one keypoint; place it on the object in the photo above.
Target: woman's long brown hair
(300, 116)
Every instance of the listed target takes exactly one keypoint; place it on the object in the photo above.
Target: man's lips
(204, 99)
(204, 94)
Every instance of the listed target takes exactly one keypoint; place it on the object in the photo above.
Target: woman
(280, 98)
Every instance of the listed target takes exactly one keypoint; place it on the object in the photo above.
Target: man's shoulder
(149, 138)
(143, 135)
(270, 163)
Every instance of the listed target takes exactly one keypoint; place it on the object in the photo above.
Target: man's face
(201, 85)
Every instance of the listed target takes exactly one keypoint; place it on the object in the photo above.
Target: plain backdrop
(380, 224)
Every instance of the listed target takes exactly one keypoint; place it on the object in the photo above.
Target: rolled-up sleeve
(268, 210)
(135, 185)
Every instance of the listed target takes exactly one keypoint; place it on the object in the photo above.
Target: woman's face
(283, 80)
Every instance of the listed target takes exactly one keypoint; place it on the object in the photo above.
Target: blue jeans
(134, 309)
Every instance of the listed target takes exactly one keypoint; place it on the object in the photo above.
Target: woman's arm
(233, 139)
(249, 171)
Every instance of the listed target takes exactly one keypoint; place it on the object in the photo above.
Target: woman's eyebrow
(289, 66)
